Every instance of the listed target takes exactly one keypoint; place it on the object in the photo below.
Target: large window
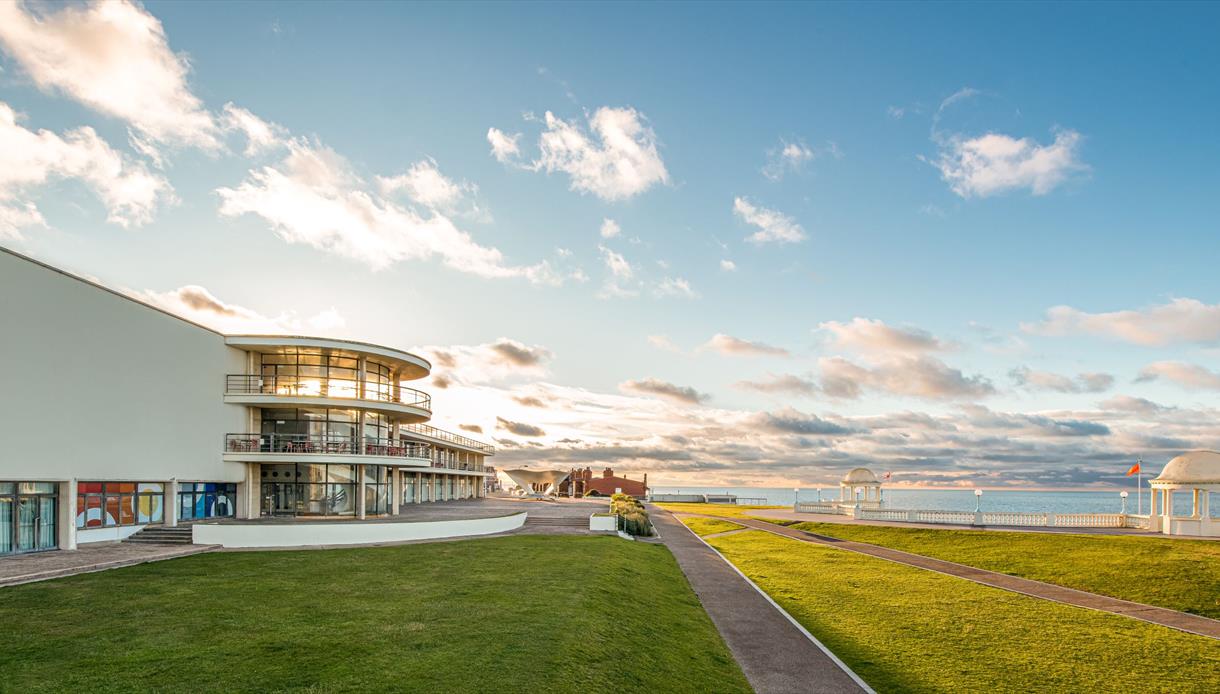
(309, 430)
(308, 489)
(206, 500)
(377, 488)
(310, 372)
(408, 487)
(110, 504)
(27, 516)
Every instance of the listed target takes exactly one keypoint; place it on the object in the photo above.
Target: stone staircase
(162, 536)
(581, 522)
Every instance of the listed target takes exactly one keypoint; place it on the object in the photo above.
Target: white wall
(97, 386)
(301, 534)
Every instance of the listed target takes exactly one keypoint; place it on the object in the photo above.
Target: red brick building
(581, 482)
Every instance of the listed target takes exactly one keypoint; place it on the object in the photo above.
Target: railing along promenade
(323, 444)
(449, 437)
(326, 387)
(993, 518)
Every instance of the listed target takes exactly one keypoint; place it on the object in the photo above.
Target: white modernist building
(118, 415)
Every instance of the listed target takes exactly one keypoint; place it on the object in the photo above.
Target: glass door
(279, 498)
(6, 524)
(27, 523)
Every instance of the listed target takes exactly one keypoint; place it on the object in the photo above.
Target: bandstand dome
(862, 475)
(1192, 468)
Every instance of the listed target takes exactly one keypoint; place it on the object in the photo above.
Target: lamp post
(796, 498)
(978, 499)
(1124, 496)
(819, 494)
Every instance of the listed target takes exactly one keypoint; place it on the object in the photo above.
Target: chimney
(645, 481)
(608, 473)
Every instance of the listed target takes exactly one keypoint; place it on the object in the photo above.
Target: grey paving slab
(99, 556)
(1174, 619)
(775, 654)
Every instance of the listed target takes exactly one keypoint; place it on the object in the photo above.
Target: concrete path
(96, 556)
(774, 653)
(1173, 619)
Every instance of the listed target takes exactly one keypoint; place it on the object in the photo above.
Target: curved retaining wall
(343, 533)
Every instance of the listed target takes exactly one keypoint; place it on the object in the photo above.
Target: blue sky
(923, 185)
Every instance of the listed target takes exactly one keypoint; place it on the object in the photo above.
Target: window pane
(150, 487)
(340, 473)
(112, 511)
(127, 511)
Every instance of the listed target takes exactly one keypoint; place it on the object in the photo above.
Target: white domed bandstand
(860, 486)
(1196, 472)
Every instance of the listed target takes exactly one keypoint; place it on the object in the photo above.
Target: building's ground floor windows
(408, 488)
(206, 500)
(377, 488)
(308, 490)
(27, 516)
(438, 488)
(110, 504)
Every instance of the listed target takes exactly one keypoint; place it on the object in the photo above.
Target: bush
(635, 518)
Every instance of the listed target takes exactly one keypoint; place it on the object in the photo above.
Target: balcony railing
(321, 443)
(324, 387)
(442, 435)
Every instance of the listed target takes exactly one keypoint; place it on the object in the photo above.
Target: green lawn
(515, 614)
(711, 526)
(910, 630)
(1178, 574)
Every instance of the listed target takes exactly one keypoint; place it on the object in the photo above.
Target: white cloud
(663, 389)
(503, 359)
(1189, 376)
(616, 159)
(675, 286)
(785, 384)
(621, 282)
(1045, 380)
(129, 191)
(1179, 321)
(772, 225)
(996, 163)
(791, 157)
(260, 134)
(424, 183)
(870, 335)
(922, 377)
(503, 147)
(114, 58)
(610, 229)
(737, 347)
(663, 342)
(314, 197)
(728, 266)
(197, 304)
(15, 217)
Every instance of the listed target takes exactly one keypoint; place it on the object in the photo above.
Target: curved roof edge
(410, 366)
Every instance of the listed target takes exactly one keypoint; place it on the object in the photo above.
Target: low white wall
(602, 522)
(302, 534)
(107, 534)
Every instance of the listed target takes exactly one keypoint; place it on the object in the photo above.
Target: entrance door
(279, 498)
(27, 523)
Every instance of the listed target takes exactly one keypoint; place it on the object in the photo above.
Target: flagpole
(1139, 485)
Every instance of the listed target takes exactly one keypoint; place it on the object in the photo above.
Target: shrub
(635, 518)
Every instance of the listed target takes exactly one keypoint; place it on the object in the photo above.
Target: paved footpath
(97, 556)
(774, 654)
(1174, 619)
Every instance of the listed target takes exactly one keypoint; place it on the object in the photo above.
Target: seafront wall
(305, 534)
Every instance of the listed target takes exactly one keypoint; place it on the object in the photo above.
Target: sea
(961, 499)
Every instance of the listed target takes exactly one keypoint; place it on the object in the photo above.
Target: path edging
(813, 639)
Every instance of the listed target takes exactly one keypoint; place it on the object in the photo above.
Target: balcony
(441, 435)
(272, 448)
(406, 404)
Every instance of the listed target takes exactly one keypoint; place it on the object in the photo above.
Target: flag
(1134, 470)
(887, 475)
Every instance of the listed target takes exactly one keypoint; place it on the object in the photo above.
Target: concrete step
(558, 522)
(162, 536)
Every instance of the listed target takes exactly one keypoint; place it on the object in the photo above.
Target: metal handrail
(326, 387)
(429, 430)
(325, 444)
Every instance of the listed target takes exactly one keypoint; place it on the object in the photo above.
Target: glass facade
(408, 487)
(377, 488)
(111, 504)
(206, 500)
(308, 489)
(310, 372)
(28, 516)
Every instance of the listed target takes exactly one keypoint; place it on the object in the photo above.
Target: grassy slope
(905, 629)
(536, 614)
(711, 526)
(1178, 574)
